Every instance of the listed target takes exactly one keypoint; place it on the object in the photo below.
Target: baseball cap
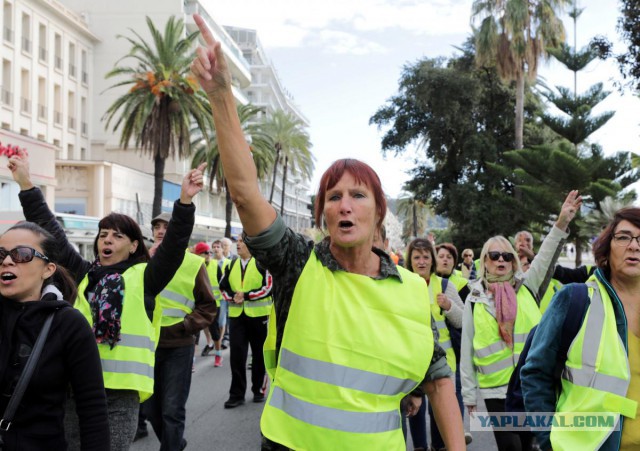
(201, 248)
(165, 216)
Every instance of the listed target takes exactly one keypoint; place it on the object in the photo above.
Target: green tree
(158, 109)
(513, 35)
(460, 118)
(206, 150)
(413, 215)
(292, 147)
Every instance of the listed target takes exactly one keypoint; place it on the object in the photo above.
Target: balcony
(58, 63)
(42, 112)
(57, 117)
(71, 122)
(6, 97)
(84, 127)
(25, 105)
(43, 54)
(72, 70)
(26, 44)
(7, 35)
(85, 78)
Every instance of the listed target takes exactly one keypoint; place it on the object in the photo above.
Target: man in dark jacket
(188, 307)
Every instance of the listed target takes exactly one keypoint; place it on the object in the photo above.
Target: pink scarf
(506, 309)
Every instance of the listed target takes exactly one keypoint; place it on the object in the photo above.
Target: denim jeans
(166, 408)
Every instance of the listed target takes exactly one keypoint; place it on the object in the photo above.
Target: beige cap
(164, 216)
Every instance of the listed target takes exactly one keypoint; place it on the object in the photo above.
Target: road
(212, 427)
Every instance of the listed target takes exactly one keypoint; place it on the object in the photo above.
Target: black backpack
(570, 328)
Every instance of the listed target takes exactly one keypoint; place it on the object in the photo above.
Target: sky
(342, 60)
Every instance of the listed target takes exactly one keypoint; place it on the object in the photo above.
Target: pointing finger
(204, 30)
(202, 166)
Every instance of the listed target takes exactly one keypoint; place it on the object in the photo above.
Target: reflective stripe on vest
(176, 299)
(338, 382)
(252, 280)
(129, 365)
(596, 347)
(335, 419)
(493, 359)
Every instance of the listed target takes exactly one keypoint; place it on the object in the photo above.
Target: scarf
(506, 305)
(106, 296)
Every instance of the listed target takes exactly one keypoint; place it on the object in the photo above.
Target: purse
(32, 361)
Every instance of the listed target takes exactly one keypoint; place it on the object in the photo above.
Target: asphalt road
(212, 427)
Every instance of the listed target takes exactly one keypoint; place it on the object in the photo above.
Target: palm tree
(163, 101)
(291, 143)
(207, 151)
(513, 35)
(413, 214)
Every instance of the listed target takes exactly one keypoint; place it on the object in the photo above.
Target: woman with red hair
(350, 332)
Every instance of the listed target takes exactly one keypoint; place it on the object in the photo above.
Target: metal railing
(84, 127)
(6, 97)
(25, 105)
(58, 62)
(85, 77)
(42, 111)
(57, 117)
(26, 44)
(72, 70)
(42, 54)
(7, 34)
(72, 122)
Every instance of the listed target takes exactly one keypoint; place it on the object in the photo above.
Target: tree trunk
(578, 244)
(284, 184)
(228, 209)
(415, 220)
(275, 171)
(158, 179)
(519, 138)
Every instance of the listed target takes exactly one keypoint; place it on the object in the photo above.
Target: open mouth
(345, 224)
(107, 252)
(7, 276)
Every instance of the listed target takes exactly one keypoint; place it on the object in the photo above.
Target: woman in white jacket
(499, 312)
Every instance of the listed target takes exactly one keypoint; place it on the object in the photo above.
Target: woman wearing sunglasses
(116, 294)
(32, 286)
(499, 312)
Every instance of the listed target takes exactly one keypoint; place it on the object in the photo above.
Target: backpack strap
(579, 303)
(445, 282)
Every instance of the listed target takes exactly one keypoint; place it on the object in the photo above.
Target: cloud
(337, 25)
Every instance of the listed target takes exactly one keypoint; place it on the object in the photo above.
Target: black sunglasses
(506, 256)
(21, 254)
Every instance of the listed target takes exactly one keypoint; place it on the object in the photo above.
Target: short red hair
(363, 173)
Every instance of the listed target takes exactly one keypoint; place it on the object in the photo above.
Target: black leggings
(508, 440)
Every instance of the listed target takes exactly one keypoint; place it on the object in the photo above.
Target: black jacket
(69, 359)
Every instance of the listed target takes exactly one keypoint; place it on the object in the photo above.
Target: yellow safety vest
(176, 299)
(458, 280)
(596, 374)
(553, 288)
(252, 280)
(493, 359)
(212, 271)
(435, 288)
(129, 365)
(348, 357)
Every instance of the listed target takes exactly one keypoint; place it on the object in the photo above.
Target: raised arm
(35, 209)
(211, 70)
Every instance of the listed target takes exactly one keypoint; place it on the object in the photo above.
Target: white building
(54, 96)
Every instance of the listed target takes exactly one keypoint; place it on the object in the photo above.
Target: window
(42, 99)
(7, 25)
(57, 106)
(83, 65)
(84, 127)
(6, 97)
(26, 33)
(58, 51)
(71, 107)
(25, 92)
(42, 43)
(72, 60)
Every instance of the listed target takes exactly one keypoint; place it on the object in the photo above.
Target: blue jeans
(166, 408)
(223, 312)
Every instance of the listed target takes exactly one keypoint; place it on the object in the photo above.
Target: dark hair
(124, 224)
(602, 244)
(61, 277)
(217, 241)
(423, 245)
(363, 173)
(452, 250)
